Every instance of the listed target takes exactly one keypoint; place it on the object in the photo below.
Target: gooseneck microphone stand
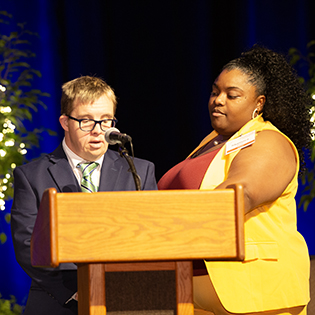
(113, 136)
(124, 153)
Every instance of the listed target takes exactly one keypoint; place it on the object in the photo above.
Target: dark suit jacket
(53, 170)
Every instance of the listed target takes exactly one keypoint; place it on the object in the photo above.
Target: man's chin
(94, 155)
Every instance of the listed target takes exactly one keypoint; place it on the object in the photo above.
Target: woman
(259, 113)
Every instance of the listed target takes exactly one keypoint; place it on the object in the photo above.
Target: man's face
(88, 145)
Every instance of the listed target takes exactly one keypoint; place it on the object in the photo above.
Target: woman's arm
(264, 169)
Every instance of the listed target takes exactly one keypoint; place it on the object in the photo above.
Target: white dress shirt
(74, 160)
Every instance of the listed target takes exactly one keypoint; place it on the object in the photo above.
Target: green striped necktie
(86, 182)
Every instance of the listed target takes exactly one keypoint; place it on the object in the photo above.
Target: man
(88, 107)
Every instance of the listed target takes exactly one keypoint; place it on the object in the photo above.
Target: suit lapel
(62, 173)
(111, 171)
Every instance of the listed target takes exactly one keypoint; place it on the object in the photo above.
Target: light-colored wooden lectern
(139, 230)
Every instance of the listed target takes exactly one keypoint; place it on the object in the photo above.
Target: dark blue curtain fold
(161, 58)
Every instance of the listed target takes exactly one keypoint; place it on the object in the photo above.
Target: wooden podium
(139, 230)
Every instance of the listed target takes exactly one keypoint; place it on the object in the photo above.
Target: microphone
(113, 136)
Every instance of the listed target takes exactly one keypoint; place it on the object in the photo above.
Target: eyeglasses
(89, 124)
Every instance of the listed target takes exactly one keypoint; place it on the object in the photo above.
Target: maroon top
(189, 175)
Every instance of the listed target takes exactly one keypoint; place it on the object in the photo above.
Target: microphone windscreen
(108, 133)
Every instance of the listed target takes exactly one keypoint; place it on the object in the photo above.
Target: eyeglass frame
(113, 120)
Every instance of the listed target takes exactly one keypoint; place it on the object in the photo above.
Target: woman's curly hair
(287, 104)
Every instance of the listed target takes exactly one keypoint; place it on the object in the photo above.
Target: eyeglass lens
(88, 125)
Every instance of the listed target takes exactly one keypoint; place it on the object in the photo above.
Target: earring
(255, 112)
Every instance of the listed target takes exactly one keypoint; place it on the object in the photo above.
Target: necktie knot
(86, 183)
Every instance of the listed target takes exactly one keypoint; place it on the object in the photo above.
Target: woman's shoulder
(273, 145)
(272, 138)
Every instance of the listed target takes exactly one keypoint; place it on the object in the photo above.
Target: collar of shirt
(74, 160)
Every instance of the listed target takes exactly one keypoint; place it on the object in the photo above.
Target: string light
(3, 188)
(2, 203)
(2, 88)
(10, 147)
(312, 119)
(9, 127)
(9, 143)
(5, 110)
(22, 151)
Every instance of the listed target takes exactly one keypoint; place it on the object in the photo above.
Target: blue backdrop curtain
(161, 58)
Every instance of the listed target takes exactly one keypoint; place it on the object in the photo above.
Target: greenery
(18, 102)
(305, 66)
(10, 307)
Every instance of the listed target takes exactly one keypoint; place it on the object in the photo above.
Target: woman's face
(232, 102)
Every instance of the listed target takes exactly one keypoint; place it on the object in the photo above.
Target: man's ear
(64, 120)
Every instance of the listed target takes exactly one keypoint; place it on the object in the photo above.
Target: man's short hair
(85, 90)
